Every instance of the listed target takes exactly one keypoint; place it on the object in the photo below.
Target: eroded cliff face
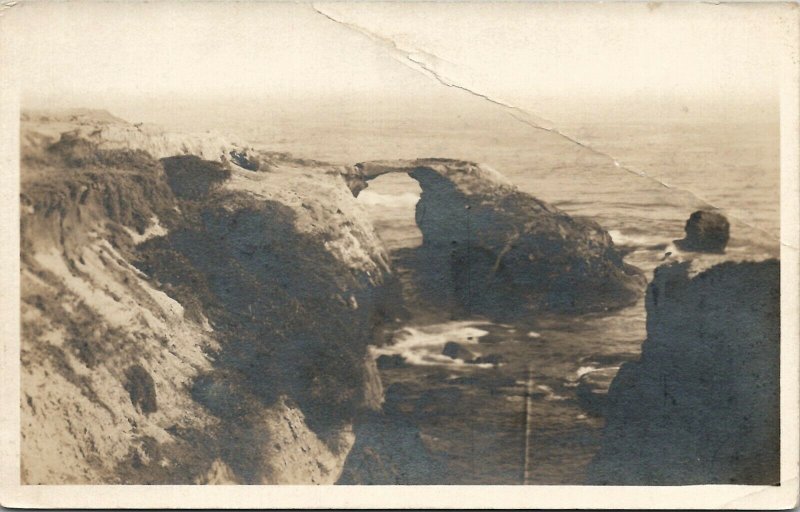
(701, 405)
(194, 311)
(501, 252)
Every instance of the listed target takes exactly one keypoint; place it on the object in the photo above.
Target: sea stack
(706, 231)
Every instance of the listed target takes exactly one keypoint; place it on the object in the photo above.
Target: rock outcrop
(706, 231)
(193, 311)
(493, 249)
(389, 450)
(701, 405)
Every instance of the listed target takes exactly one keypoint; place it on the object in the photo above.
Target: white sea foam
(572, 380)
(422, 345)
(583, 370)
(550, 395)
(621, 238)
(463, 332)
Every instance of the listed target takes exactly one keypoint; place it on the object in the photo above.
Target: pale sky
(519, 53)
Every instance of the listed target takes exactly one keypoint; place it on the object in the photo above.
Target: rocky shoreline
(197, 310)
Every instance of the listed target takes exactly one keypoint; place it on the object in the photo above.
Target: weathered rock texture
(701, 406)
(501, 252)
(202, 318)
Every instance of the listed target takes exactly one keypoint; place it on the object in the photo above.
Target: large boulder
(499, 251)
(701, 405)
(706, 231)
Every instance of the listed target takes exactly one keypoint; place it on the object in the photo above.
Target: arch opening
(390, 201)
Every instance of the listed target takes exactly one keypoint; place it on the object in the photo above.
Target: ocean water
(520, 422)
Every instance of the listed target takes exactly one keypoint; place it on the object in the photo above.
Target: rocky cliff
(197, 310)
(701, 405)
(194, 310)
(498, 251)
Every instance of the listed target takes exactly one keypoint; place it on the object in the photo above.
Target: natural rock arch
(502, 252)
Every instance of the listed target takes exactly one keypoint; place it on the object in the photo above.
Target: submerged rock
(386, 362)
(494, 359)
(493, 249)
(454, 350)
(706, 231)
(701, 405)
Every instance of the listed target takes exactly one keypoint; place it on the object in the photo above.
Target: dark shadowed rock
(399, 400)
(190, 177)
(592, 391)
(389, 451)
(442, 401)
(494, 359)
(141, 388)
(454, 350)
(224, 397)
(244, 161)
(701, 405)
(270, 291)
(493, 249)
(706, 231)
(386, 362)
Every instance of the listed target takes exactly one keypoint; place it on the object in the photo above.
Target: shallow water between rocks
(520, 422)
(513, 422)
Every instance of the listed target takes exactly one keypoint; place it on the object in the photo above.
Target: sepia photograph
(355, 244)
